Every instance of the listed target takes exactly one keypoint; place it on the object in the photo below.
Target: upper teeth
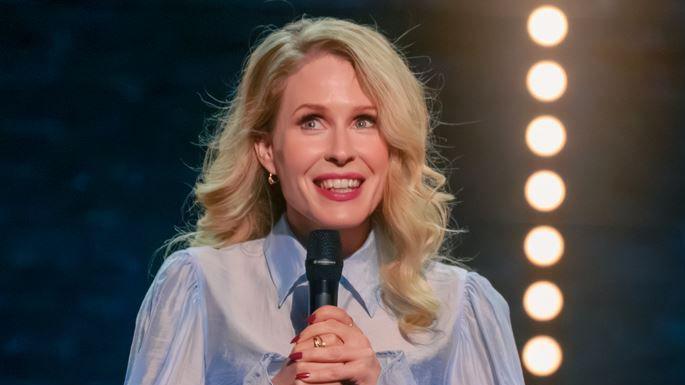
(340, 183)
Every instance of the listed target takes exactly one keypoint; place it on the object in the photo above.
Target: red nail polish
(295, 339)
(295, 356)
(311, 318)
(302, 375)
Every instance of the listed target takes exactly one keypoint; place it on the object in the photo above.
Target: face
(326, 148)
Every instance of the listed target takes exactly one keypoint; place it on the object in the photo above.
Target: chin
(342, 221)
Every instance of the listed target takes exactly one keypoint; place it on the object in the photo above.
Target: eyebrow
(319, 107)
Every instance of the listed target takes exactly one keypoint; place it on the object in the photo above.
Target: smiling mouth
(339, 185)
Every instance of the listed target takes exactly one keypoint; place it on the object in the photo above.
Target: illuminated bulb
(546, 81)
(544, 246)
(543, 301)
(545, 135)
(542, 356)
(545, 190)
(547, 26)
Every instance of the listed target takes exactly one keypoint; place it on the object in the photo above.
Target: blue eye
(365, 121)
(310, 122)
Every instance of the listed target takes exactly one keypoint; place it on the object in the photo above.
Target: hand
(346, 357)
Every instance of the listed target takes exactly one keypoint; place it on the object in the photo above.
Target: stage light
(545, 190)
(547, 26)
(546, 81)
(543, 246)
(545, 135)
(542, 356)
(543, 301)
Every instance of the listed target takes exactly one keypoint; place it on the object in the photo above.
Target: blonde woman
(328, 128)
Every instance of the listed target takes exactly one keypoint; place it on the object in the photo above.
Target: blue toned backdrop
(102, 103)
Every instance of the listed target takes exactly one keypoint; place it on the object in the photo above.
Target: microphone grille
(324, 244)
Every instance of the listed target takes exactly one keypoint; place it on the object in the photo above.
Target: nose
(341, 149)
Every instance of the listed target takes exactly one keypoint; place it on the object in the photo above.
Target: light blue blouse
(226, 316)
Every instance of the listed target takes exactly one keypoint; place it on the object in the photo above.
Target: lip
(335, 196)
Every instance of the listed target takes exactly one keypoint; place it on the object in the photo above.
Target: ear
(264, 150)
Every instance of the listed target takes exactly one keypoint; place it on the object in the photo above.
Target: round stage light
(543, 246)
(543, 301)
(545, 190)
(547, 25)
(545, 135)
(542, 356)
(546, 81)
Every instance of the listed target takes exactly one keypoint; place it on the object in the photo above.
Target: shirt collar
(285, 258)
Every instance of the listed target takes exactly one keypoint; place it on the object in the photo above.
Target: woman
(328, 129)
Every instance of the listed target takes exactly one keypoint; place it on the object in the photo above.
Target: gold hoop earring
(273, 179)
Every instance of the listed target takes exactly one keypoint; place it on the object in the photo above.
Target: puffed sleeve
(169, 339)
(486, 350)
(394, 369)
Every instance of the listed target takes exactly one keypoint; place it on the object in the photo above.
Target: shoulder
(478, 318)
(180, 274)
(181, 263)
(447, 281)
(205, 262)
(462, 290)
(479, 290)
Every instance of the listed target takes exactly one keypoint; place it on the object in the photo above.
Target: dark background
(102, 102)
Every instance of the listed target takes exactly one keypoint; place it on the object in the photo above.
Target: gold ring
(318, 342)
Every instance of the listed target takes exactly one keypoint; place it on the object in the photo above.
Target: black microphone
(324, 268)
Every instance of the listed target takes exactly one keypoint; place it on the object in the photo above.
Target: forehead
(323, 78)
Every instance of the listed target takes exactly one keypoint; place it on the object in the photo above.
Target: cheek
(381, 158)
(293, 160)
(376, 154)
(377, 158)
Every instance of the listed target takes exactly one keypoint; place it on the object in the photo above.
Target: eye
(310, 122)
(365, 121)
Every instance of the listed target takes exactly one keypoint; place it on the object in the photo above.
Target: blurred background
(103, 102)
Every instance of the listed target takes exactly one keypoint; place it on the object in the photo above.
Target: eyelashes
(307, 122)
(366, 118)
(313, 121)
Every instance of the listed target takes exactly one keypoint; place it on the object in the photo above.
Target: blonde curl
(237, 204)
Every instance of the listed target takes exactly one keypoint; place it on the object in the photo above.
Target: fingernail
(295, 339)
(295, 356)
(302, 375)
(311, 318)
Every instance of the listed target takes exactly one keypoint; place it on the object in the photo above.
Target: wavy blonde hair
(237, 204)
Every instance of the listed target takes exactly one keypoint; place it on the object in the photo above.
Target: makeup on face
(339, 187)
(327, 148)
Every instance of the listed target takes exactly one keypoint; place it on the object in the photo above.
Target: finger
(295, 367)
(301, 382)
(302, 370)
(290, 369)
(355, 372)
(327, 312)
(333, 326)
(335, 354)
(328, 340)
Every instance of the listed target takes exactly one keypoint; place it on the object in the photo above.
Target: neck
(351, 239)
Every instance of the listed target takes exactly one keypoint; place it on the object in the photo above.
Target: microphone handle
(322, 292)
